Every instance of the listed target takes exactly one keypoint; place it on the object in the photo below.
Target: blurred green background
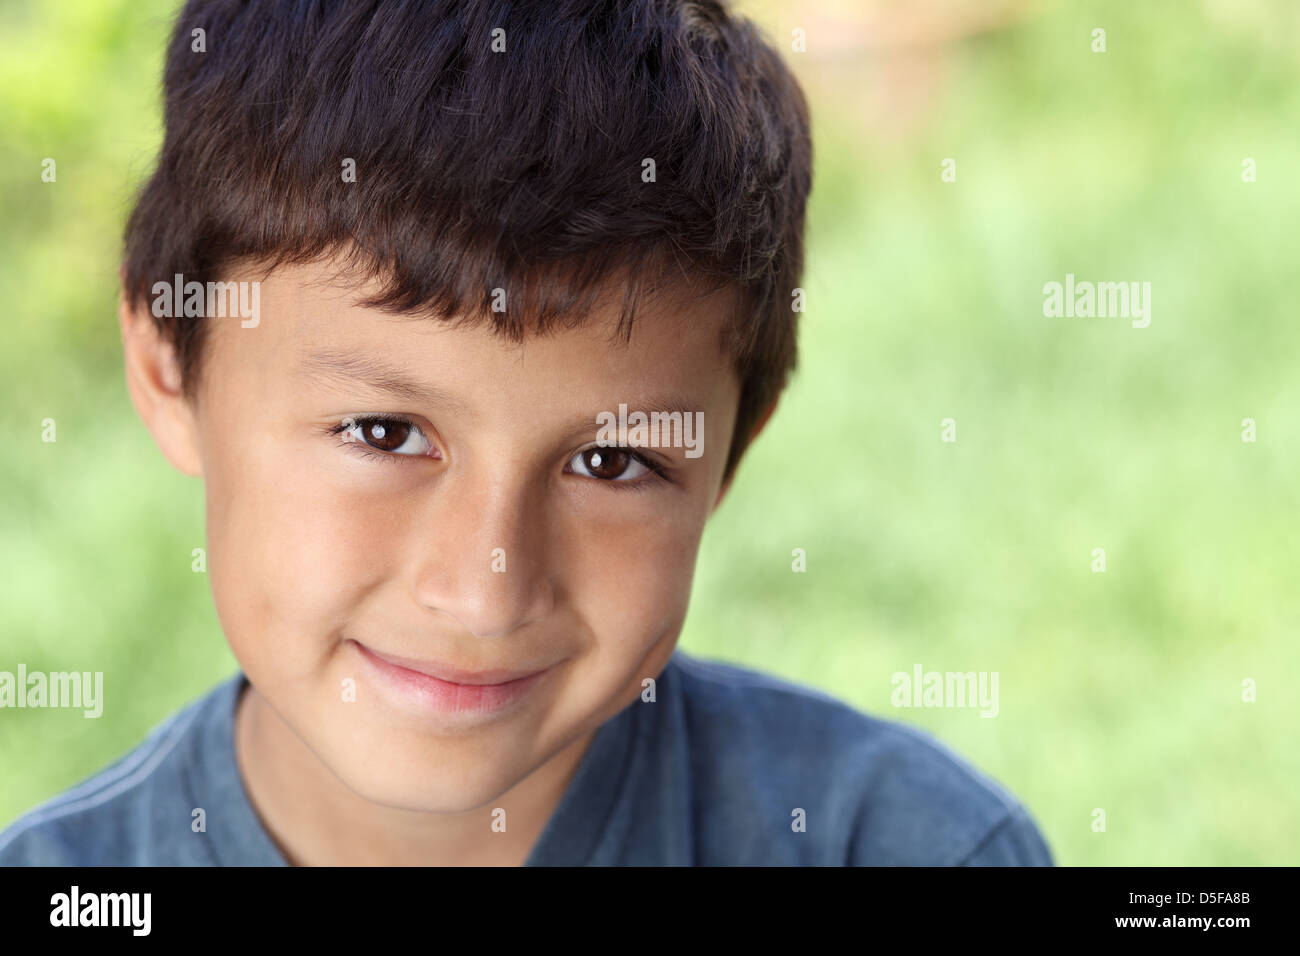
(1120, 691)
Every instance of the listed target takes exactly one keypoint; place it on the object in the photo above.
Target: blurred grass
(1119, 690)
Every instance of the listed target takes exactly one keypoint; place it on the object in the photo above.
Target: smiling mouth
(468, 696)
(497, 677)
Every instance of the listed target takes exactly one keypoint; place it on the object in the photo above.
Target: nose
(482, 555)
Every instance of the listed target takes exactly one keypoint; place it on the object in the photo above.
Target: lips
(457, 699)
(452, 675)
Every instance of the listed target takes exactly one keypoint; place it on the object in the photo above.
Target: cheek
(631, 582)
(290, 556)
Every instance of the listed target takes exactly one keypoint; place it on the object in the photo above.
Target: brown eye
(385, 435)
(389, 435)
(609, 464)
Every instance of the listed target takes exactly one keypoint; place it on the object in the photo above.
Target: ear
(726, 485)
(153, 378)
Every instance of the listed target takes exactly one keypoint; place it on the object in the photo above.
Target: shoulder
(866, 791)
(122, 814)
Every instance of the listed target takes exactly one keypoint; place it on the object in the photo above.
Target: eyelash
(365, 451)
(360, 447)
(644, 483)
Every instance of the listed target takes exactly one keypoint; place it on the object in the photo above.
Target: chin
(451, 788)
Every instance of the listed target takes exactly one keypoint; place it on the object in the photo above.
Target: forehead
(312, 326)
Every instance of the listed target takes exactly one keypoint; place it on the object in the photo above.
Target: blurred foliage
(1119, 690)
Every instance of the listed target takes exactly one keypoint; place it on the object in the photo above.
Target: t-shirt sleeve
(1016, 841)
(30, 843)
(919, 804)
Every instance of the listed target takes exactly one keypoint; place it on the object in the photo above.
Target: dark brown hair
(477, 169)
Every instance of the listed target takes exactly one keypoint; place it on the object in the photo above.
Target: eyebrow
(347, 370)
(667, 405)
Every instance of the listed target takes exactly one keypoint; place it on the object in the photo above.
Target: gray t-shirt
(726, 767)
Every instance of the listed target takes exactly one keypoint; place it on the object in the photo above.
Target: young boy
(466, 320)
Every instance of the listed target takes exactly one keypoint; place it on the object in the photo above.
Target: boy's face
(485, 531)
